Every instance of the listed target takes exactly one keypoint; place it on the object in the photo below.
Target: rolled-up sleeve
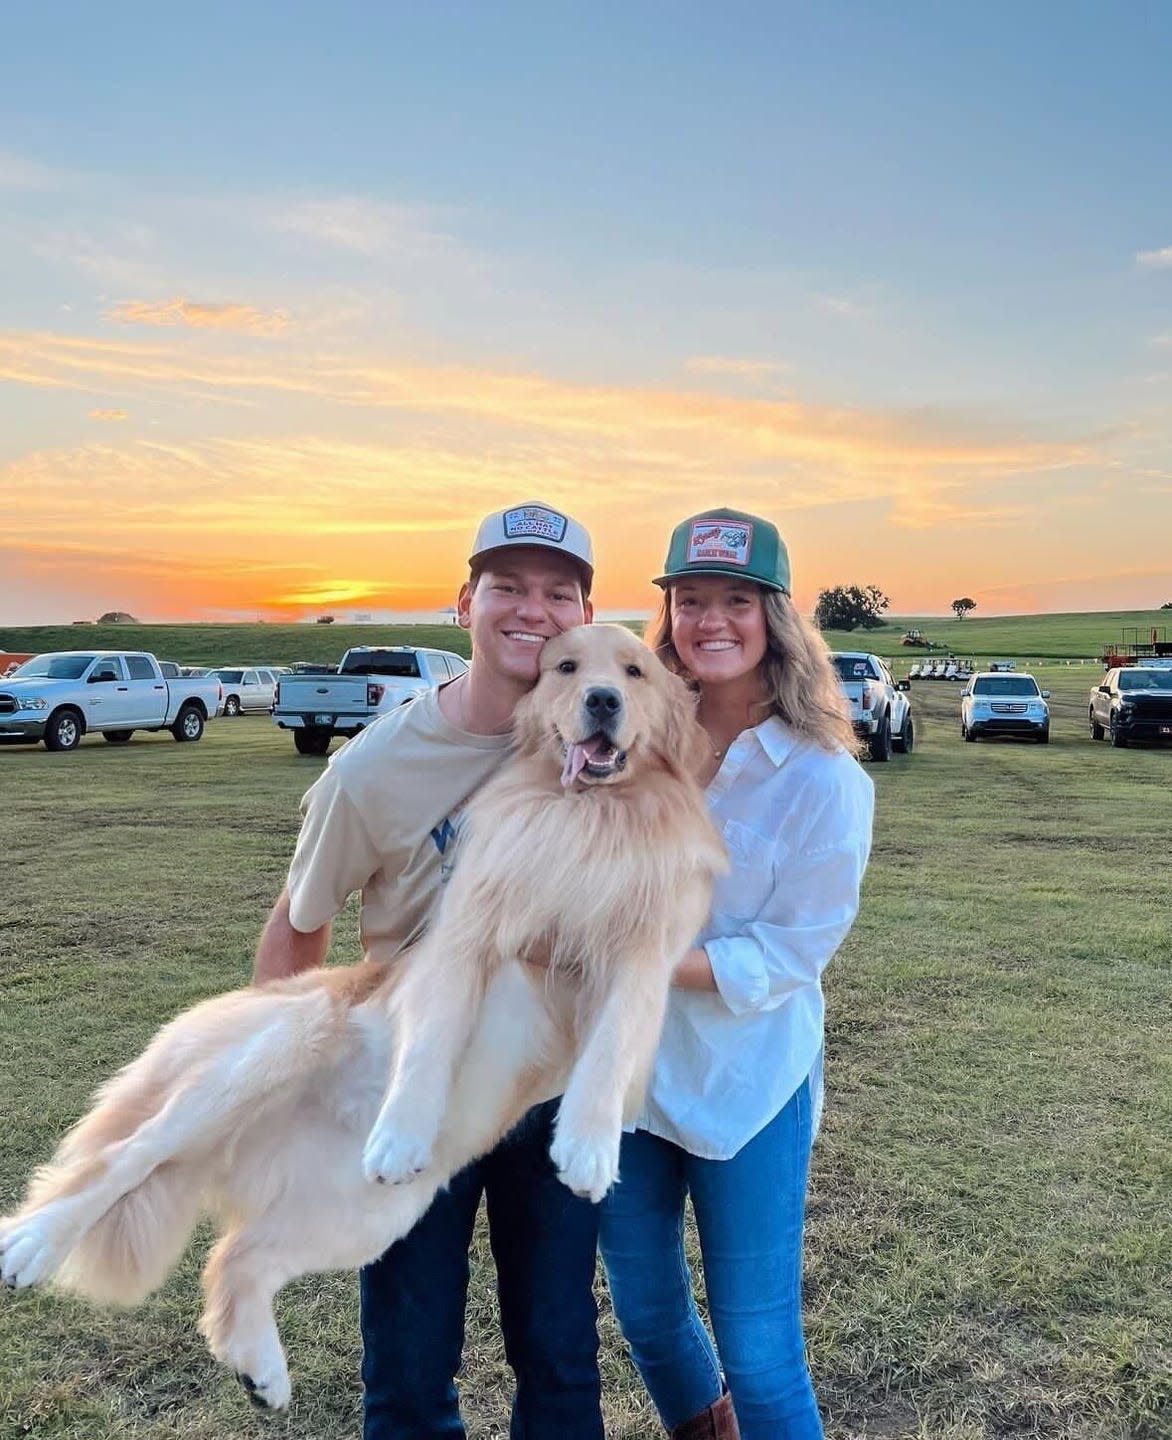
(806, 915)
(334, 857)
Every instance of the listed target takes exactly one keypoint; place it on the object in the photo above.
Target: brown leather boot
(718, 1422)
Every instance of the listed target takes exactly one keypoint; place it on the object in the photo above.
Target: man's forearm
(284, 951)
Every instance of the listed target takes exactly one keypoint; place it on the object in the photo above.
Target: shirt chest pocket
(753, 873)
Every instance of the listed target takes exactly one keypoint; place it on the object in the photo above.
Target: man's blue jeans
(749, 1214)
(544, 1242)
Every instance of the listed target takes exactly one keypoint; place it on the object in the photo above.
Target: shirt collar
(775, 739)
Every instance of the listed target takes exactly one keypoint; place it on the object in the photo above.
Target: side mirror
(1104, 689)
(903, 685)
(99, 677)
(1045, 694)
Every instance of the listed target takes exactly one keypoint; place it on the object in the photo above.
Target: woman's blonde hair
(801, 683)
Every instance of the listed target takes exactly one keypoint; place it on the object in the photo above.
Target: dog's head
(605, 707)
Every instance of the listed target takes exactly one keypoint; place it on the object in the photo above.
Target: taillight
(868, 695)
(374, 693)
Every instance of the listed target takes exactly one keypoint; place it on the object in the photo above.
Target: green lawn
(989, 1243)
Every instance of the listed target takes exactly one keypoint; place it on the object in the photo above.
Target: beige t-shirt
(382, 818)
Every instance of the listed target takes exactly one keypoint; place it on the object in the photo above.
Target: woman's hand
(694, 972)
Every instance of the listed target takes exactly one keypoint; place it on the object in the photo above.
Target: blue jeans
(413, 1299)
(749, 1214)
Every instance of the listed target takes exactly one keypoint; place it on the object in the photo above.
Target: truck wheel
(1044, 736)
(116, 737)
(188, 724)
(879, 744)
(967, 734)
(906, 739)
(311, 741)
(1096, 728)
(64, 730)
(1118, 739)
(232, 706)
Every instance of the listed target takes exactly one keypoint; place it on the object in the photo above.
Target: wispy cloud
(839, 305)
(239, 318)
(1155, 259)
(113, 415)
(361, 226)
(19, 173)
(744, 369)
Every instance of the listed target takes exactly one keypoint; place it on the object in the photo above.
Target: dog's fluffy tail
(170, 1118)
(138, 1241)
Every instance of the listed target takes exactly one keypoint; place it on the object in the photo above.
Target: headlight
(33, 702)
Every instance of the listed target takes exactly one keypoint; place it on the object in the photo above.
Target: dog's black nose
(602, 702)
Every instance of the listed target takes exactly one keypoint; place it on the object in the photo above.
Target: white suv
(1001, 704)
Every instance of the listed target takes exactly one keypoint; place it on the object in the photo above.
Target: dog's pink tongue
(575, 759)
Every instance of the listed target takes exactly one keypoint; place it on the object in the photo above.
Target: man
(383, 819)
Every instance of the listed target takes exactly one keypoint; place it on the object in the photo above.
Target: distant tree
(1167, 605)
(963, 606)
(116, 617)
(325, 619)
(850, 607)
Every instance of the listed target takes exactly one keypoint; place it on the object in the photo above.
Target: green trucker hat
(728, 542)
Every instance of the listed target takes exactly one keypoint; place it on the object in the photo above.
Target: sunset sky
(293, 293)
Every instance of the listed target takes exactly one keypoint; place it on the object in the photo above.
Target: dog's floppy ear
(528, 730)
(686, 745)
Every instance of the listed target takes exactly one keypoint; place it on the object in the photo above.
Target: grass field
(990, 1237)
(1034, 637)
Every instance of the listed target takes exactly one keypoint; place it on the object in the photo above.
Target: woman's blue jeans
(749, 1214)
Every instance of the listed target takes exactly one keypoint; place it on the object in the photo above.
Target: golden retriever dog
(583, 874)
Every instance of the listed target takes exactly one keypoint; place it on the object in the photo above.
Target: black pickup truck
(1134, 702)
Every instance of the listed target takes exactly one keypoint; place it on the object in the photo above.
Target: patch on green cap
(728, 542)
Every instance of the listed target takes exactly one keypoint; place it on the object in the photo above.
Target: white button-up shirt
(797, 823)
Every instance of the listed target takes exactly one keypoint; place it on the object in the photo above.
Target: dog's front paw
(588, 1164)
(271, 1392)
(393, 1155)
(29, 1253)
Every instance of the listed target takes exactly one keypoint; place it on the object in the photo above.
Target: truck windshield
(382, 662)
(1144, 679)
(1006, 685)
(229, 677)
(54, 667)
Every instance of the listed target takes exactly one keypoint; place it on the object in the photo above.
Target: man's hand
(283, 951)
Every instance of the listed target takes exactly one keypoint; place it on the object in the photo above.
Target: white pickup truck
(370, 681)
(60, 697)
(881, 711)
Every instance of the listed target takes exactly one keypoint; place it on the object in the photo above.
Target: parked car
(881, 709)
(60, 697)
(995, 703)
(370, 681)
(1134, 702)
(246, 689)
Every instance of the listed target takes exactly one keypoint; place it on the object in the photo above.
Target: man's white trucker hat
(535, 524)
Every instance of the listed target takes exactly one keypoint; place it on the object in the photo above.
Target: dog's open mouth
(596, 756)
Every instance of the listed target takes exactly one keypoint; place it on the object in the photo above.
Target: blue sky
(897, 275)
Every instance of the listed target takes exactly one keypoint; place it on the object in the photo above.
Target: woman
(733, 1102)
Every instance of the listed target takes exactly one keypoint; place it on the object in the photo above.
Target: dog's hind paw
(393, 1156)
(29, 1253)
(589, 1167)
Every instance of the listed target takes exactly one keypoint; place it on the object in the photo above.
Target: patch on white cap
(720, 541)
(529, 522)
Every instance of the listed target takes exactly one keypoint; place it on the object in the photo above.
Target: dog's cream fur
(269, 1108)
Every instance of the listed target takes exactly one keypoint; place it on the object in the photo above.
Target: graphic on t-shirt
(446, 836)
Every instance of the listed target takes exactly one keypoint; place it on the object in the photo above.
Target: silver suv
(1001, 704)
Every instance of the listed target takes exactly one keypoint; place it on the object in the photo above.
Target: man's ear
(588, 611)
(464, 606)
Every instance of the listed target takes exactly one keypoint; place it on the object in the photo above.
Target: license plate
(323, 719)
